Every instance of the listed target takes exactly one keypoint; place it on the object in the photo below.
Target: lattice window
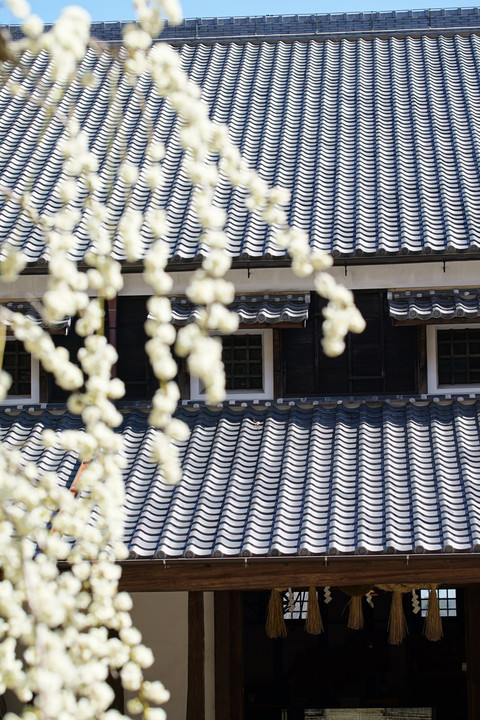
(243, 359)
(447, 601)
(295, 606)
(248, 360)
(458, 356)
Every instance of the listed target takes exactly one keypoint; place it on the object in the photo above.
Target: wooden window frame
(432, 361)
(267, 393)
(34, 396)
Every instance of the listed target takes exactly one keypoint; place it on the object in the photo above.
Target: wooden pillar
(43, 382)
(422, 385)
(119, 699)
(278, 384)
(112, 327)
(472, 643)
(196, 657)
(113, 680)
(229, 656)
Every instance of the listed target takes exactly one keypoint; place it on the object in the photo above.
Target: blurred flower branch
(62, 633)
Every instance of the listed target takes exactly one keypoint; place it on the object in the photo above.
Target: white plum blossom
(33, 26)
(20, 8)
(60, 546)
(128, 173)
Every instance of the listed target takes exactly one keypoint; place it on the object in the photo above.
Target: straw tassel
(355, 615)
(275, 626)
(313, 624)
(397, 625)
(433, 629)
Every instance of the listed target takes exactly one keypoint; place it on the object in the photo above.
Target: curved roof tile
(423, 305)
(294, 480)
(378, 139)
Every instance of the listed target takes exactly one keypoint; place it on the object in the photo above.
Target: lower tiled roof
(434, 304)
(28, 309)
(293, 480)
(252, 309)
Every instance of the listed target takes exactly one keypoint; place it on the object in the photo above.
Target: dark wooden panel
(298, 356)
(228, 656)
(72, 342)
(133, 365)
(263, 574)
(196, 657)
(382, 359)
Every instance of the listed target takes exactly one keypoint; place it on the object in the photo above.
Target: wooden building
(354, 476)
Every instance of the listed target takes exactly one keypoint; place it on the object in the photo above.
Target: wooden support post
(422, 385)
(112, 327)
(472, 642)
(119, 699)
(228, 656)
(278, 385)
(43, 384)
(114, 679)
(196, 657)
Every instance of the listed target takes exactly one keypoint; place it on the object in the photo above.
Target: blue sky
(123, 10)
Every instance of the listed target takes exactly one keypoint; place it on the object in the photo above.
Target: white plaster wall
(395, 275)
(162, 618)
(461, 273)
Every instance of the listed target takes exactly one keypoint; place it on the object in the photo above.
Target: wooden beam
(228, 656)
(436, 321)
(196, 657)
(270, 326)
(472, 643)
(265, 573)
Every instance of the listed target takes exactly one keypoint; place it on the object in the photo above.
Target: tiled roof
(27, 309)
(379, 141)
(252, 309)
(434, 304)
(339, 24)
(296, 480)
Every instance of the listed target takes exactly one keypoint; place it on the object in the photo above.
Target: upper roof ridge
(321, 25)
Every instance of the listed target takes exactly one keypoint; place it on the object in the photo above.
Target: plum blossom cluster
(57, 643)
(65, 542)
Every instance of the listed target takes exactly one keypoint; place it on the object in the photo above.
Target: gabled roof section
(294, 480)
(378, 139)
